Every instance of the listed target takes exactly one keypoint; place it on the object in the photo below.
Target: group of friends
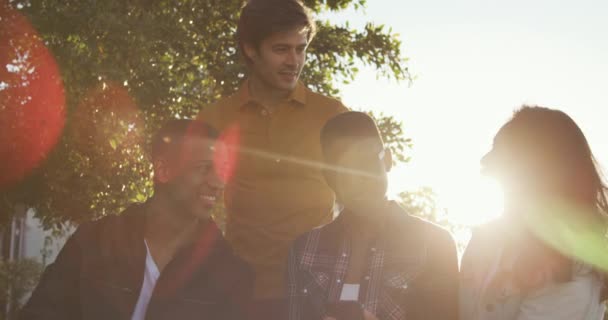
(310, 233)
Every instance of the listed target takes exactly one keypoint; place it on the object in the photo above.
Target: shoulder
(439, 241)
(410, 225)
(488, 236)
(575, 299)
(413, 234)
(433, 230)
(110, 230)
(129, 218)
(432, 243)
(483, 250)
(221, 103)
(322, 103)
(217, 112)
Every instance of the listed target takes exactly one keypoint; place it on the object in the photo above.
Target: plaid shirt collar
(325, 255)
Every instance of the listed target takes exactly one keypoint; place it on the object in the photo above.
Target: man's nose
(292, 58)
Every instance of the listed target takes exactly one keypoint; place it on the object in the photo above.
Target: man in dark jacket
(163, 259)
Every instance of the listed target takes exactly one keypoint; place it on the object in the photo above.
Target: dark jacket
(99, 273)
(412, 270)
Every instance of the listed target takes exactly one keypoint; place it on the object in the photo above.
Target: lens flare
(106, 120)
(197, 257)
(226, 155)
(32, 100)
(574, 231)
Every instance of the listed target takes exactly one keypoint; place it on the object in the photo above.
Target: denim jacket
(483, 297)
(411, 273)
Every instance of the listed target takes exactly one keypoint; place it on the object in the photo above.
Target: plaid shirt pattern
(318, 262)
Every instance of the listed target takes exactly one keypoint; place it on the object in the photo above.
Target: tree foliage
(129, 65)
(17, 279)
(393, 136)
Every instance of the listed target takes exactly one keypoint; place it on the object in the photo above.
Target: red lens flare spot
(106, 121)
(182, 275)
(226, 153)
(32, 99)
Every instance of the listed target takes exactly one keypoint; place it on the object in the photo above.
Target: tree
(17, 279)
(129, 65)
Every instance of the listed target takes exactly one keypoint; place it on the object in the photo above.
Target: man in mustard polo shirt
(276, 191)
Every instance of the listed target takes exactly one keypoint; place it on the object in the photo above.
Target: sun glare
(468, 197)
(475, 202)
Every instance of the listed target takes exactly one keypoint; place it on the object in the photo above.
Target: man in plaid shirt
(374, 261)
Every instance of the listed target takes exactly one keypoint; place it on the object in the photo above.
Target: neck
(520, 203)
(269, 96)
(366, 221)
(165, 227)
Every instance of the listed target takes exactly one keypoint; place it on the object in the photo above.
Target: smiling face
(193, 185)
(279, 59)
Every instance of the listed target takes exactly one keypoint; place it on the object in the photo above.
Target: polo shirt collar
(298, 94)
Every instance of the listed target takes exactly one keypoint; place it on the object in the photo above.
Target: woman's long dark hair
(543, 152)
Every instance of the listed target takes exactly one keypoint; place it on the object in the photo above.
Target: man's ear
(162, 171)
(250, 52)
(388, 159)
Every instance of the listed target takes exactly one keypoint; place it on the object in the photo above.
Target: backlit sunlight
(474, 202)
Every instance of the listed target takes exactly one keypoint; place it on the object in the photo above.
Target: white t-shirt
(150, 276)
(350, 292)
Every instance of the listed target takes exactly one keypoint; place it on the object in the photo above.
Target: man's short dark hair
(348, 126)
(167, 141)
(262, 18)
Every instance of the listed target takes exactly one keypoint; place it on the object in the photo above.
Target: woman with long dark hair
(547, 256)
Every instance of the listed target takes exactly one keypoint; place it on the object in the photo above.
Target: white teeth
(208, 198)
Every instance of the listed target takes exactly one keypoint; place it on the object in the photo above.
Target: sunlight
(475, 202)
(468, 198)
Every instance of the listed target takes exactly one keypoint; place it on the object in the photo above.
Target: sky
(474, 63)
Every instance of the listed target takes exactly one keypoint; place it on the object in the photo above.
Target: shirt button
(277, 160)
(264, 112)
(338, 281)
(344, 254)
(373, 249)
(305, 290)
(489, 307)
(404, 286)
(366, 278)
